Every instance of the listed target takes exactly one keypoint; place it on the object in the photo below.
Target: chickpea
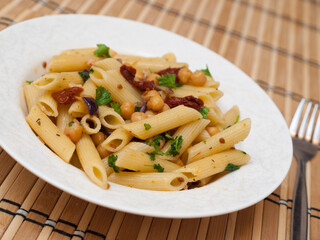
(98, 138)
(155, 103)
(149, 113)
(165, 107)
(198, 78)
(153, 77)
(184, 75)
(212, 130)
(137, 116)
(149, 94)
(170, 57)
(73, 130)
(102, 151)
(127, 108)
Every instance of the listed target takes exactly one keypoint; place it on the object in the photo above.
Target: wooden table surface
(276, 42)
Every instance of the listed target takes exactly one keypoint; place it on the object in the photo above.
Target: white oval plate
(26, 45)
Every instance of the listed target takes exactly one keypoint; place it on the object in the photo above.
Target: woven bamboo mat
(276, 42)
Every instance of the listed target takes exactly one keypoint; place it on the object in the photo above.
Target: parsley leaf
(116, 107)
(102, 51)
(168, 137)
(158, 167)
(226, 127)
(152, 156)
(204, 111)
(175, 146)
(102, 96)
(112, 162)
(243, 152)
(29, 82)
(71, 123)
(231, 167)
(237, 119)
(147, 126)
(206, 71)
(168, 80)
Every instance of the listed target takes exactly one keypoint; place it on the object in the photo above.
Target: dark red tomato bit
(67, 96)
(171, 71)
(129, 73)
(188, 101)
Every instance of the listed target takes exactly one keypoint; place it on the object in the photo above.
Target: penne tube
(211, 83)
(202, 136)
(188, 132)
(169, 57)
(91, 162)
(213, 164)
(141, 162)
(186, 90)
(220, 141)
(215, 116)
(70, 63)
(140, 146)
(50, 134)
(32, 95)
(162, 122)
(91, 124)
(58, 81)
(231, 117)
(79, 51)
(120, 89)
(48, 105)
(117, 140)
(108, 64)
(64, 118)
(110, 118)
(151, 181)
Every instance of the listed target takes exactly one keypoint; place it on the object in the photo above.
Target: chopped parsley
(116, 107)
(102, 96)
(175, 146)
(155, 143)
(226, 127)
(168, 80)
(112, 162)
(102, 51)
(243, 152)
(237, 119)
(168, 137)
(29, 82)
(85, 74)
(231, 167)
(147, 126)
(152, 156)
(137, 109)
(204, 111)
(71, 123)
(204, 141)
(156, 166)
(206, 71)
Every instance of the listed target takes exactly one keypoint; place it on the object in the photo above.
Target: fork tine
(304, 121)
(296, 118)
(311, 123)
(316, 134)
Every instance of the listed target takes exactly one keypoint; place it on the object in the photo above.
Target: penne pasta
(109, 118)
(152, 181)
(48, 105)
(64, 118)
(162, 122)
(50, 134)
(117, 140)
(32, 95)
(220, 141)
(91, 124)
(91, 162)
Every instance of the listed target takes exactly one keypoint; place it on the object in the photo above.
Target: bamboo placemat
(276, 42)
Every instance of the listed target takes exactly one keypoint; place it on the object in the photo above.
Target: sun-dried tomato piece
(171, 71)
(188, 101)
(129, 73)
(67, 96)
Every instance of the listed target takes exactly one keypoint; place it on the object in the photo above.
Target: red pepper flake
(44, 64)
(119, 86)
(188, 101)
(221, 140)
(67, 96)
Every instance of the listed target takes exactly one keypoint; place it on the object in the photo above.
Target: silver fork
(304, 148)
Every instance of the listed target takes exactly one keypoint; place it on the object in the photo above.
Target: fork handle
(299, 226)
